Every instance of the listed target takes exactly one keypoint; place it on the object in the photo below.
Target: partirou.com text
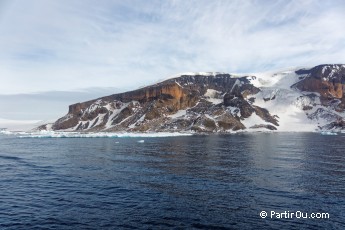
(292, 215)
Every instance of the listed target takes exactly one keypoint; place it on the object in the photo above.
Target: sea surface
(187, 182)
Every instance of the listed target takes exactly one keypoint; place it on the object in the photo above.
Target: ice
(280, 79)
(6, 132)
(52, 134)
(328, 133)
(293, 109)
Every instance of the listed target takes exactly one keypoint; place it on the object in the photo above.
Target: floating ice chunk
(328, 133)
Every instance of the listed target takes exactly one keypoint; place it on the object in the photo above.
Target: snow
(215, 101)
(195, 74)
(209, 117)
(334, 69)
(211, 95)
(66, 117)
(324, 69)
(233, 110)
(178, 84)
(282, 80)
(291, 115)
(179, 113)
(253, 120)
(100, 117)
(100, 120)
(108, 107)
(114, 114)
(49, 126)
(188, 74)
(141, 119)
(285, 102)
(237, 83)
(93, 107)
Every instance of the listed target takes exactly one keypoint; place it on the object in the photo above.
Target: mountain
(300, 99)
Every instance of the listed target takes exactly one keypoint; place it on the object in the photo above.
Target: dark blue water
(197, 182)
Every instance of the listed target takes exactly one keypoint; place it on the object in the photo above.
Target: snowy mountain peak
(327, 72)
(289, 100)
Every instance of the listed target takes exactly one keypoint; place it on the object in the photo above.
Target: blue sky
(64, 45)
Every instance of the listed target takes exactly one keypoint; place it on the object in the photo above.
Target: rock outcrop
(326, 80)
(217, 102)
(199, 103)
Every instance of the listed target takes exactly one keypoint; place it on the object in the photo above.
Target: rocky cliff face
(216, 102)
(328, 81)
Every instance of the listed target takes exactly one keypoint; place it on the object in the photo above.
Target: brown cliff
(151, 108)
(327, 80)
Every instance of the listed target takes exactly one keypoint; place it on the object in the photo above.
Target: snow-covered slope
(307, 99)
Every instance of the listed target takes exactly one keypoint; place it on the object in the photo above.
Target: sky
(46, 106)
(73, 44)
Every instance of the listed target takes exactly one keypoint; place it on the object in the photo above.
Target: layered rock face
(211, 102)
(217, 102)
(328, 81)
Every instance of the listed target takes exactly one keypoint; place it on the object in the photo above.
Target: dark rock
(327, 80)
(149, 108)
(265, 115)
(339, 125)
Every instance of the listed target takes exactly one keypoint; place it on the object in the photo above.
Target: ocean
(178, 182)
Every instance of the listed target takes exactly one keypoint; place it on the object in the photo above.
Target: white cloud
(63, 45)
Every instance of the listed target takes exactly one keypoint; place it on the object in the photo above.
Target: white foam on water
(52, 134)
(329, 133)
